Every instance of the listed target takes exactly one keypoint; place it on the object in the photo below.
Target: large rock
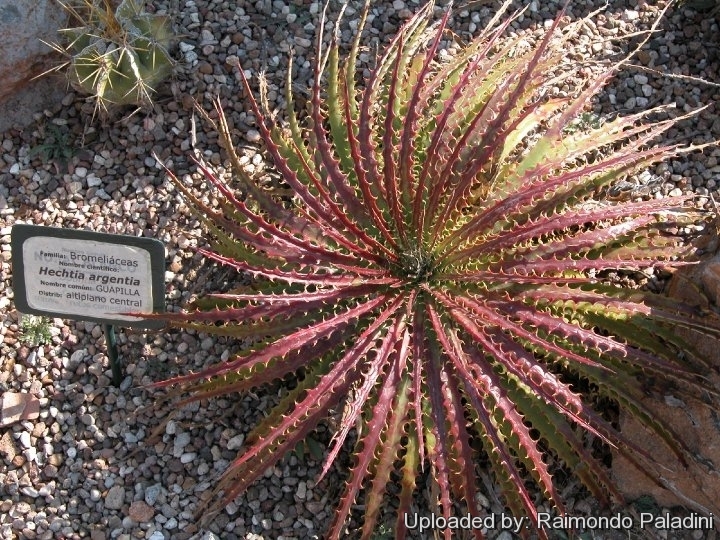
(23, 23)
(698, 486)
(18, 406)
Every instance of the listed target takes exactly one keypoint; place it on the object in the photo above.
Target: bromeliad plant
(439, 275)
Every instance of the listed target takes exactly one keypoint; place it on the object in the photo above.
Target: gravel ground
(98, 462)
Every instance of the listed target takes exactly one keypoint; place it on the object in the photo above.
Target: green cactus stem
(117, 57)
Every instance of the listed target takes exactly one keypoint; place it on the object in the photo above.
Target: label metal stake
(89, 276)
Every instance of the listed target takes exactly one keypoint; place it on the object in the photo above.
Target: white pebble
(152, 493)
(25, 439)
(30, 454)
(182, 439)
(188, 457)
(115, 498)
(29, 491)
(236, 442)
(183, 242)
(631, 15)
(74, 187)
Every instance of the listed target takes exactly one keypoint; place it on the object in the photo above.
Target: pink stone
(141, 512)
(710, 279)
(23, 24)
(15, 407)
(7, 446)
(694, 423)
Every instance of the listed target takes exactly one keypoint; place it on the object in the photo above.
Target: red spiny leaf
(406, 156)
(463, 309)
(419, 347)
(282, 346)
(438, 452)
(270, 245)
(463, 472)
(543, 382)
(447, 186)
(554, 266)
(434, 148)
(368, 152)
(258, 374)
(583, 242)
(275, 305)
(354, 406)
(237, 478)
(389, 148)
(320, 275)
(560, 435)
(335, 177)
(369, 443)
(630, 302)
(362, 176)
(390, 447)
(515, 421)
(587, 338)
(276, 212)
(335, 383)
(409, 474)
(536, 185)
(276, 233)
(500, 276)
(476, 391)
(339, 215)
(559, 222)
(494, 125)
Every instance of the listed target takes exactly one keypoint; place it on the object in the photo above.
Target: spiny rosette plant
(118, 56)
(438, 273)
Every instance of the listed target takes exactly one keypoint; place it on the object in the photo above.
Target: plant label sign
(87, 276)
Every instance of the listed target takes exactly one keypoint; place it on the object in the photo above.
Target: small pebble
(115, 498)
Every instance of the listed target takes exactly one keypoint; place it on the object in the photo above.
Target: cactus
(119, 57)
